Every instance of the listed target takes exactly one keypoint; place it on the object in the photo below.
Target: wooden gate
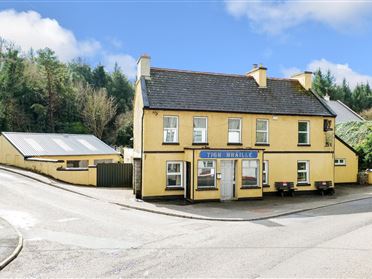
(114, 175)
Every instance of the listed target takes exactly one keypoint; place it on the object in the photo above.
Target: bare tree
(98, 109)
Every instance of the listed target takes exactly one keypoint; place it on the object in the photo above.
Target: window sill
(171, 143)
(340, 165)
(207, 189)
(304, 144)
(200, 143)
(262, 144)
(174, 189)
(250, 187)
(266, 186)
(303, 184)
(235, 143)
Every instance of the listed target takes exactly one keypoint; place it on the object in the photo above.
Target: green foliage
(40, 93)
(359, 136)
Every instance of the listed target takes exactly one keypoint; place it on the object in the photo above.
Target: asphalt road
(70, 235)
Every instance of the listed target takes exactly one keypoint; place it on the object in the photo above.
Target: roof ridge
(199, 72)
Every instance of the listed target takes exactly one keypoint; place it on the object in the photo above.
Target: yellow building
(208, 136)
(346, 162)
(66, 157)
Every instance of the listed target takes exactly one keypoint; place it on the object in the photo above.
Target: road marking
(67, 220)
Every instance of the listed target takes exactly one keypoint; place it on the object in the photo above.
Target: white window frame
(340, 162)
(234, 130)
(258, 173)
(265, 172)
(215, 174)
(307, 171)
(263, 131)
(205, 130)
(307, 132)
(166, 129)
(174, 173)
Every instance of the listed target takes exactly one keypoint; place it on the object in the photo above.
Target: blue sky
(217, 36)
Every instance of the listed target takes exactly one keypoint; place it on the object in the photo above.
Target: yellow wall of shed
(349, 172)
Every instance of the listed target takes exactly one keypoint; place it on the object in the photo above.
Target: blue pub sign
(228, 154)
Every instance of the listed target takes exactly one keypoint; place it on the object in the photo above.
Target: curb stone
(16, 251)
(191, 216)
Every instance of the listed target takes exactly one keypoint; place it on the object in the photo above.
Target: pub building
(208, 136)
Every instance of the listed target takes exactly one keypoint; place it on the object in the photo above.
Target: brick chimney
(305, 78)
(143, 67)
(259, 74)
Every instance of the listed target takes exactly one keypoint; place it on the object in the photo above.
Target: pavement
(11, 242)
(269, 207)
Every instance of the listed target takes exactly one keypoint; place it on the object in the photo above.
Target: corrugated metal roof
(41, 144)
(344, 113)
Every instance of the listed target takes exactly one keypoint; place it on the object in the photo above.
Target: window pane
(250, 173)
(170, 135)
(234, 136)
(170, 122)
(200, 122)
(261, 125)
(174, 180)
(172, 168)
(303, 138)
(302, 126)
(302, 177)
(301, 166)
(261, 137)
(206, 174)
(234, 124)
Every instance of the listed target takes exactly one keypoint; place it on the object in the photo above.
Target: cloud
(30, 30)
(275, 17)
(126, 63)
(339, 71)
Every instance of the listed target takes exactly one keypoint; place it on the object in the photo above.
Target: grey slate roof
(186, 90)
(344, 113)
(40, 144)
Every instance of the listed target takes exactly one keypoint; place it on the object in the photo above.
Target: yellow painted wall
(10, 156)
(137, 120)
(348, 173)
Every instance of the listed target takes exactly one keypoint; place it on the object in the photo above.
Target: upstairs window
(234, 135)
(303, 172)
(303, 132)
(170, 134)
(262, 131)
(200, 130)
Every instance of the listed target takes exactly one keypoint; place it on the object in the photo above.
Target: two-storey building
(208, 136)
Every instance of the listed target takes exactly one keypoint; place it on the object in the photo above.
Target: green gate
(114, 175)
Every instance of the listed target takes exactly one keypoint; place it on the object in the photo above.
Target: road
(70, 235)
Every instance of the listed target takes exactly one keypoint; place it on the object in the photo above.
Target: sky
(215, 36)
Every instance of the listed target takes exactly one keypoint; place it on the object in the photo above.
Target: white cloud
(126, 63)
(339, 71)
(274, 17)
(30, 30)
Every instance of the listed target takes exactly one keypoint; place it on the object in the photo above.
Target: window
(200, 129)
(170, 129)
(174, 174)
(265, 172)
(262, 131)
(206, 174)
(249, 173)
(77, 164)
(102, 161)
(234, 130)
(303, 132)
(303, 172)
(340, 162)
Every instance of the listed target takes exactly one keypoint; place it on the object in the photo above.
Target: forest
(40, 93)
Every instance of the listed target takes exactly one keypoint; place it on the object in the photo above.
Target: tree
(98, 109)
(100, 77)
(324, 84)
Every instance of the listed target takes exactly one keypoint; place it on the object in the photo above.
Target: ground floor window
(340, 162)
(102, 161)
(303, 172)
(265, 172)
(250, 173)
(206, 173)
(77, 164)
(174, 174)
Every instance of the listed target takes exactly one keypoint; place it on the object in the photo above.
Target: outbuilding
(67, 157)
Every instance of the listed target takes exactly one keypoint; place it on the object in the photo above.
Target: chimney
(305, 78)
(259, 74)
(326, 97)
(143, 67)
